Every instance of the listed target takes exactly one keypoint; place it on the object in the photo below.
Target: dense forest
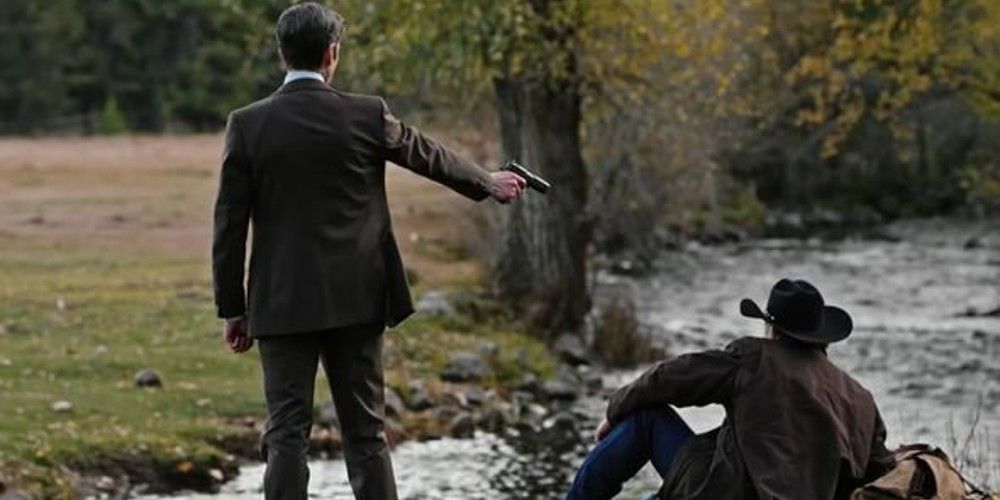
(704, 114)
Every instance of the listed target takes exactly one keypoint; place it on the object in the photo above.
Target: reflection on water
(934, 370)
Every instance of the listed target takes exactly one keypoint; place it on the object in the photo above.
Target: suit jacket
(307, 167)
(796, 426)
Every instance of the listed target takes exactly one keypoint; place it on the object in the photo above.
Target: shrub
(112, 120)
(620, 339)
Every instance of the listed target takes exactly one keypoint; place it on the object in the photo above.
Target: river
(919, 344)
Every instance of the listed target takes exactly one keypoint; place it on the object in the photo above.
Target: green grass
(126, 312)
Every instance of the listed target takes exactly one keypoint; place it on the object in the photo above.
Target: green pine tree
(112, 120)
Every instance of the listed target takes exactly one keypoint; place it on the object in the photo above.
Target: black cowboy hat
(795, 308)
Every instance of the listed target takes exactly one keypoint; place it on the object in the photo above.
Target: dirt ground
(155, 194)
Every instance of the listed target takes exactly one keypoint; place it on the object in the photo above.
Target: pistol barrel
(534, 181)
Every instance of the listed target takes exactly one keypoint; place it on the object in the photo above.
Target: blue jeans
(644, 436)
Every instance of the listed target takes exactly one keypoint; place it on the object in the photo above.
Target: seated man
(796, 427)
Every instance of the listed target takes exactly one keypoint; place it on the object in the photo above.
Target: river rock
(592, 380)
(570, 348)
(558, 390)
(465, 367)
(973, 243)
(783, 224)
(563, 422)
(15, 495)
(564, 387)
(326, 415)
(492, 420)
(62, 406)
(475, 396)
(419, 399)
(559, 432)
(393, 403)
(488, 350)
(529, 383)
(435, 303)
(462, 426)
(325, 440)
(395, 433)
(148, 378)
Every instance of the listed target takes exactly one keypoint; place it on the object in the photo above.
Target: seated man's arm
(408, 148)
(694, 379)
(880, 459)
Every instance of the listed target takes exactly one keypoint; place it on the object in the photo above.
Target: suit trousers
(352, 359)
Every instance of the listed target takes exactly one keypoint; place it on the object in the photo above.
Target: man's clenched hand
(237, 335)
(506, 187)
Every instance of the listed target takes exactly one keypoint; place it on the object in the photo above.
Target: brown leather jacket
(797, 427)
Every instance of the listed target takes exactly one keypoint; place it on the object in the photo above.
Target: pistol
(534, 181)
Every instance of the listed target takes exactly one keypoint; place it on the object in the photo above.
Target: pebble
(973, 243)
(324, 440)
(465, 366)
(462, 426)
(571, 349)
(62, 406)
(529, 383)
(475, 396)
(148, 378)
(559, 391)
(488, 349)
(326, 415)
(492, 420)
(435, 303)
(15, 495)
(420, 399)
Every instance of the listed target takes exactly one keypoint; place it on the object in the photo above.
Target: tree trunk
(542, 268)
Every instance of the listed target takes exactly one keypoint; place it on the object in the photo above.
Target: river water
(932, 363)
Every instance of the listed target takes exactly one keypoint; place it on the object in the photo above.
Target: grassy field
(104, 271)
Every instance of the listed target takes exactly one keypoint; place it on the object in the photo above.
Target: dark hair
(304, 33)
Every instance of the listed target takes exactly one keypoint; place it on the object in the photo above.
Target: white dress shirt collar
(298, 74)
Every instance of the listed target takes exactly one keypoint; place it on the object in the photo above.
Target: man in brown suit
(307, 166)
(796, 428)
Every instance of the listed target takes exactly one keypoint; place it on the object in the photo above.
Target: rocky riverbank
(456, 407)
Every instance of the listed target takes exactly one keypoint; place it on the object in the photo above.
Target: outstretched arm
(408, 148)
(232, 217)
